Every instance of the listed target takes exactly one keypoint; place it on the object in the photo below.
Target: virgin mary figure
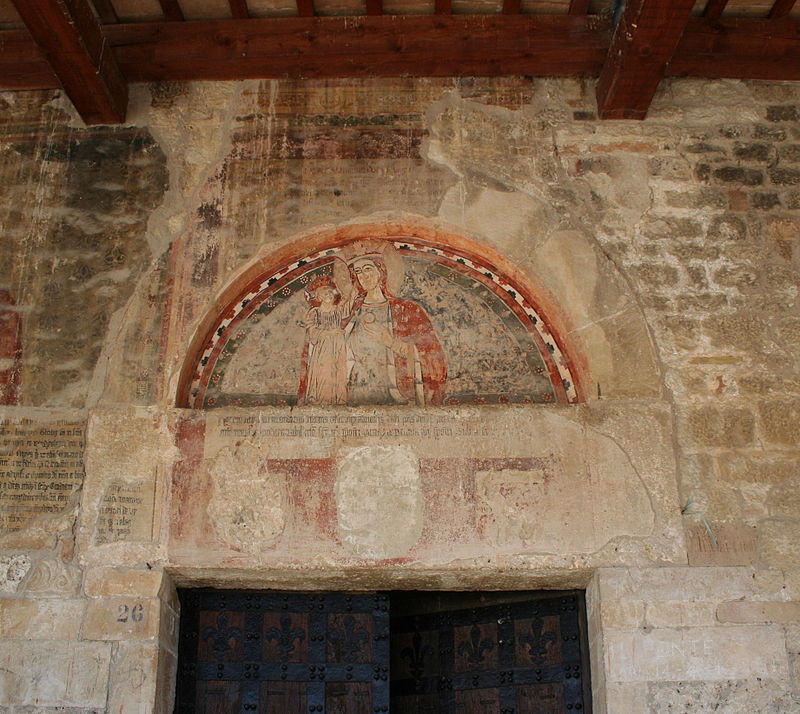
(393, 354)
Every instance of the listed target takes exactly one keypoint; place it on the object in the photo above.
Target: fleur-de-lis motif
(538, 641)
(416, 655)
(221, 636)
(348, 641)
(285, 637)
(474, 650)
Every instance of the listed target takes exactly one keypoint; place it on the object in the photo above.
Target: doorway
(407, 652)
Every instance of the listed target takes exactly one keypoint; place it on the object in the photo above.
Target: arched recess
(501, 334)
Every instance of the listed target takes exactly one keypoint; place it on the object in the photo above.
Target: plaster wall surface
(664, 256)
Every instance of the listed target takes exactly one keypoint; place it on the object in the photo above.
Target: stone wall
(664, 254)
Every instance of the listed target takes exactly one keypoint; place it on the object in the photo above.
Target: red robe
(410, 324)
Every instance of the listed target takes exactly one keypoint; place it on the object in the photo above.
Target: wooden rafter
(374, 7)
(105, 11)
(781, 9)
(417, 45)
(70, 38)
(714, 9)
(578, 7)
(172, 10)
(644, 42)
(744, 48)
(435, 45)
(512, 7)
(305, 8)
(239, 9)
(444, 7)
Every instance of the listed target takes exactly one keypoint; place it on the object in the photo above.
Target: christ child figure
(324, 378)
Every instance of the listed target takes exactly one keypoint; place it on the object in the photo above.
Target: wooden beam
(70, 38)
(22, 63)
(781, 9)
(172, 10)
(578, 7)
(643, 45)
(714, 9)
(105, 11)
(374, 7)
(538, 45)
(444, 7)
(305, 8)
(239, 9)
(512, 7)
(389, 46)
(738, 48)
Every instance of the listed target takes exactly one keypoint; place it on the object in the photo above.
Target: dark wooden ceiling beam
(105, 11)
(305, 8)
(239, 9)
(578, 7)
(738, 48)
(172, 10)
(747, 48)
(643, 44)
(374, 7)
(70, 38)
(781, 9)
(714, 9)
(512, 7)
(417, 45)
(444, 7)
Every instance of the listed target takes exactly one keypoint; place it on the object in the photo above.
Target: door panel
(285, 653)
(470, 653)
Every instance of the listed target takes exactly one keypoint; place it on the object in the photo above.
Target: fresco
(380, 322)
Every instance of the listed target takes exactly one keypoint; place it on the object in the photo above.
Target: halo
(342, 279)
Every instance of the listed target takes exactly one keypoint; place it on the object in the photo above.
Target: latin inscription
(41, 465)
(126, 512)
(348, 426)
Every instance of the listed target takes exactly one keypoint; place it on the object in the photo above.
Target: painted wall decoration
(379, 321)
(10, 350)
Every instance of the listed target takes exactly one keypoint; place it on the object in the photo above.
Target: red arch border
(227, 311)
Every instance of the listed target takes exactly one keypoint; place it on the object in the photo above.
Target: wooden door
(471, 653)
(283, 653)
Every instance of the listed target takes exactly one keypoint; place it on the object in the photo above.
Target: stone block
(674, 584)
(756, 694)
(696, 654)
(726, 426)
(55, 674)
(122, 618)
(134, 674)
(793, 639)
(628, 698)
(622, 614)
(790, 153)
(753, 612)
(764, 200)
(770, 133)
(782, 112)
(737, 174)
(727, 228)
(686, 613)
(780, 421)
(779, 544)
(111, 582)
(41, 619)
(784, 500)
(736, 544)
(784, 177)
(757, 151)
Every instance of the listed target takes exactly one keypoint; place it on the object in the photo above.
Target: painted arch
(464, 327)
